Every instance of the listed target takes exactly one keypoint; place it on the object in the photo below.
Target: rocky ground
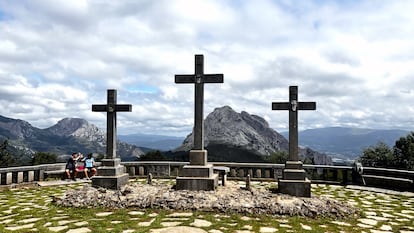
(232, 198)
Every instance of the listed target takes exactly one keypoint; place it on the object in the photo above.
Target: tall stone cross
(199, 78)
(293, 106)
(198, 175)
(111, 108)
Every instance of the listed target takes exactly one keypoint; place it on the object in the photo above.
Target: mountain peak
(68, 135)
(233, 136)
(224, 108)
(225, 126)
(14, 128)
(68, 126)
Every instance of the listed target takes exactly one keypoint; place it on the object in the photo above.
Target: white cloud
(353, 58)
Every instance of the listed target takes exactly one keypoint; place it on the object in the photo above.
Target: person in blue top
(89, 166)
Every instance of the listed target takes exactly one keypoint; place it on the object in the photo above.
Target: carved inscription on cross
(293, 106)
(199, 78)
(111, 108)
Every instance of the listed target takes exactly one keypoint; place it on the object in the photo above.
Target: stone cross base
(298, 188)
(197, 183)
(110, 175)
(198, 175)
(198, 157)
(294, 181)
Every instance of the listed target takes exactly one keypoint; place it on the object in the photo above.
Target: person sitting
(80, 165)
(89, 166)
(70, 168)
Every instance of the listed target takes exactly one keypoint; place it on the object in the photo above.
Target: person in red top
(80, 165)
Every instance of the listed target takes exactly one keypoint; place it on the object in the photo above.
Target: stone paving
(30, 210)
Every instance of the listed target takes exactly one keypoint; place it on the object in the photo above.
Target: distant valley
(346, 143)
(151, 141)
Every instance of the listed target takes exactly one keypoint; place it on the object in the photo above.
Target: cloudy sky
(354, 58)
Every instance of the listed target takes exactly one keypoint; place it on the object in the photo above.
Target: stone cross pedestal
(199, 174)
(294, 181)
(111, 174)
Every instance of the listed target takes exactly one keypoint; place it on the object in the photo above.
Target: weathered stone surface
(200, 223)
(180, 215)
(136, 213)
(20, 227)
(178, 230)
(267, 229)
(170, 224)
(29, 220)
(298, 188)
(79, 230)
(57, 229)
(227, 199)
(103, 214)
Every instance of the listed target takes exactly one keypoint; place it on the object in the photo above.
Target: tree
(153, 156)
(379, 155)
(6, 159)
(404, 152)
(43, 157)
(278, 157)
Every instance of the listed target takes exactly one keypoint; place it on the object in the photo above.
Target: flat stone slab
(57, 229)
(267, 230)
(178, 230)
(136, 213)
(179, 215)
(79, 230)
(103, 214)
(29, 220)
(170, 224)
(380, 190)
(201, 223)
(61, 182)
(20, 227)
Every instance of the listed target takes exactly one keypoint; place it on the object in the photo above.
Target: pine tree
(6, 159)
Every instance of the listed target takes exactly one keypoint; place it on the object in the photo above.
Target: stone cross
(293, 106)
(199, 78)
(111, 108)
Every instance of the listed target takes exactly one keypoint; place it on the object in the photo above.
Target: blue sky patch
(143, 88)
(4, 16)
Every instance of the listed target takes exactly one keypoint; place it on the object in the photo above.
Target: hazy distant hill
(348, 142)
(67, 136)
(158, 142)
(242, 137)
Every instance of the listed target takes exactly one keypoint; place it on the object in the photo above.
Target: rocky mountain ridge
(243, 131)
(79, 128)
(67, 136)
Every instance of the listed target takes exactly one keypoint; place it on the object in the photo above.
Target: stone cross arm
(114, 108)
(289, 106)
(203, 78)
